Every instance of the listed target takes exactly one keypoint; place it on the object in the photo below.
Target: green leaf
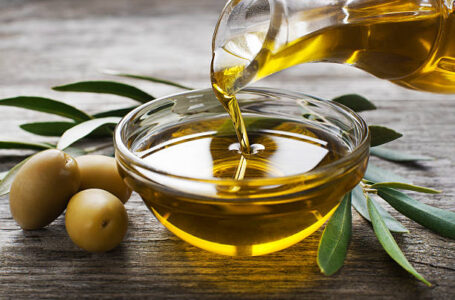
(405, 186)
(147, 78)
(47, 128)
(388, 242)
(5, 184)
(359, 201)
(395, 155)
(58, 128)
(23, 145)
(382, 135)
(46, 105)
(115, 113)
(355, 102)
(439, 220)
(3, 175)
(82, 130)
(107, 87)
(334, 242)
(376, 174)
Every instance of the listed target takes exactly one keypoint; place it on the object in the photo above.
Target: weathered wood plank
(51, 42)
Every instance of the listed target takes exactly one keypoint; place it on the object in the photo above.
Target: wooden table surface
(51, 42)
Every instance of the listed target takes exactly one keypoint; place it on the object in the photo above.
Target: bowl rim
(122, 150)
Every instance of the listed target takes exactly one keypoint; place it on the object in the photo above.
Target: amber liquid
(222, 217)
(416, 51)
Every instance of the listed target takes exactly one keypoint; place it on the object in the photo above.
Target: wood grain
(51, 42)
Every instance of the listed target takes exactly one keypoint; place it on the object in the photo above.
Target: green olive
(96, 220)
(100, 172)
(42, 187)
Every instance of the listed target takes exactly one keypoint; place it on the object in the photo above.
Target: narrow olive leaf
(46, 105)
(359, 201)
(147, 78)
(405, 186)
(355, 102)
(5, 184)
(83, 129)
(388, 242)
(47, 128)
(24, 145)
(115, 113)
(439, 220)
(377, 174)
(58, 128)
(382, 135)
(398, 156)
(3, 175)
(335, 239)
(106, 87)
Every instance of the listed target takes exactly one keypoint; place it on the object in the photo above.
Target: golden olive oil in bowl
(182, 155)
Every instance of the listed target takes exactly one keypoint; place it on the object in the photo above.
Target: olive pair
(44, 185)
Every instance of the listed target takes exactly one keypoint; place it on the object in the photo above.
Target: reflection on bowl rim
(122, 150)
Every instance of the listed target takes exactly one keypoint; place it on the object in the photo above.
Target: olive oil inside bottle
(413, 47)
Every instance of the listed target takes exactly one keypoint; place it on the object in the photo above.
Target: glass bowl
(177, 153)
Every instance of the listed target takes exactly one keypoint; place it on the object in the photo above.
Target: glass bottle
(409, 42)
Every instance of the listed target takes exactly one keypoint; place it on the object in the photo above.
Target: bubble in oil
(254, 148)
